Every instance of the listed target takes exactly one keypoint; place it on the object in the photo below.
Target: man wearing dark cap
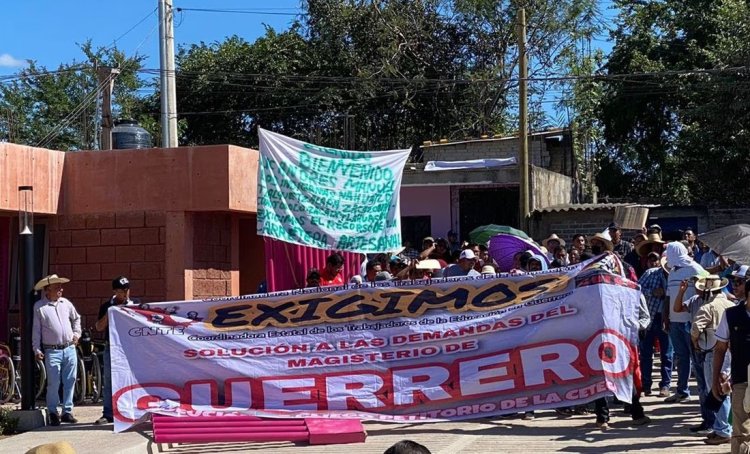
(619, 246)
(120, 297)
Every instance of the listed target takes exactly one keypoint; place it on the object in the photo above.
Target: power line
(339, 79)
(265, 12)
(26, 75)
(151, 13)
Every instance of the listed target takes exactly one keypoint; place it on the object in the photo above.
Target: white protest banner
(392, 351)
(329, 198)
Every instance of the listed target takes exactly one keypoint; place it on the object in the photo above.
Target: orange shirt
(327, 279)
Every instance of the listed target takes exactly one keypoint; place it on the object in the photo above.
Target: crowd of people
(693, 313)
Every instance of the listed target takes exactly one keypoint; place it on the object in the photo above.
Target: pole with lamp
(26, 287)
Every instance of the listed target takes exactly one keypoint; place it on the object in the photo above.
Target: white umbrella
(732, 242)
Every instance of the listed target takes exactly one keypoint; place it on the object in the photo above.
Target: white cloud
(8, 61)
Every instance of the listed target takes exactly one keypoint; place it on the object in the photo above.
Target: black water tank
(128, 134)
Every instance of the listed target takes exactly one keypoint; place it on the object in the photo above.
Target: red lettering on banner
(541, 365)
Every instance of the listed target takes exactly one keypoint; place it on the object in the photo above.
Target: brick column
(179, 256)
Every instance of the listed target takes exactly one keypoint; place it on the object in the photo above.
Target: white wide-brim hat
(711, 282)
(49, 280)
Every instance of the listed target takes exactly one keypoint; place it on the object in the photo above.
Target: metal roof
(586, 207)
(546, 132)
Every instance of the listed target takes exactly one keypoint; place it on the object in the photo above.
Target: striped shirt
(55, 323)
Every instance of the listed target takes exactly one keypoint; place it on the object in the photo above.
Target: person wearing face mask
(680, 267)
(600, 245)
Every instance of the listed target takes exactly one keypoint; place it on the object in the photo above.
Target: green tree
(57, 108)
(381, 73)
(675, 108)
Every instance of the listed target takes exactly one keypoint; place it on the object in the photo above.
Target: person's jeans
(60, 365)
(699, 359)
(107, 387)
(655, 331)
(679, 334)
(721, 424)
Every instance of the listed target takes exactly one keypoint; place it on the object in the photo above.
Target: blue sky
(48, 30)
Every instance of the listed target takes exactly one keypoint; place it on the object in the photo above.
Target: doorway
(482, 206)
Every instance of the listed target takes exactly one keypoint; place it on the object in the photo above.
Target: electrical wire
(239, 11)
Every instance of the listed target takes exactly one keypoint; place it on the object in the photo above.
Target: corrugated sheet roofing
(583, 207)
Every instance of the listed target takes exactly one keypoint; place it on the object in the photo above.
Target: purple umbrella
(503, 247)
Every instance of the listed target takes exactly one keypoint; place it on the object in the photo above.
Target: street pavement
(547, 433)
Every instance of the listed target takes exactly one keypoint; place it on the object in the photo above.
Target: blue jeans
(107, 387)
(655, 331)
(721, 424)
(679, 334)
(699, 359)
(60, 365)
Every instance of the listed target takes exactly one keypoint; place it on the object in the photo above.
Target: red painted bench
(211, 429)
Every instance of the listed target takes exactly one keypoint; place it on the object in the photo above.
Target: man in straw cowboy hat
(709, 291)
(56, 330)
(703, 333)
(733, 333)
(639, 257)
(551, 243)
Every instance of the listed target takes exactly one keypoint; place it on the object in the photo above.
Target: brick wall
(722, 217)
(93, 249)
(212, 261)
(568, 223)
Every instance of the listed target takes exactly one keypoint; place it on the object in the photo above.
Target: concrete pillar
(179, 256)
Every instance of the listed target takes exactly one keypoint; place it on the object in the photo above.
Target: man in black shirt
(733, 333)
(120, 297)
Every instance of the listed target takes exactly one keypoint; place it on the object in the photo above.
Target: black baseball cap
(120, 283)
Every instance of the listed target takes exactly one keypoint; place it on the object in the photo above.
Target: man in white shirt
(55, 333)
(681, 267)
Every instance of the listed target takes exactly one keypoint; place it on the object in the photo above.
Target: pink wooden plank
(336, 431)
(188, 437)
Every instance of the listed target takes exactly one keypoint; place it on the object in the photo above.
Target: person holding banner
(638, 416)
(464, 267)
(120, 297)
(332, 273)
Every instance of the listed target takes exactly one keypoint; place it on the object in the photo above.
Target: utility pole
(523, 122)
(106, 77)
(167, 72)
